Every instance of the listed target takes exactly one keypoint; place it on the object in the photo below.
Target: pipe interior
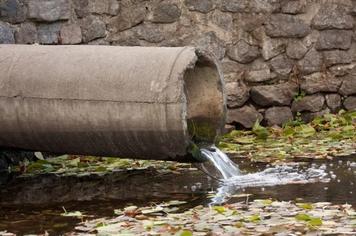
(205, 102)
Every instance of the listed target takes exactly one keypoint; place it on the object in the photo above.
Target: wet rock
(272, 47)
(259, 72)
(278, 115)
(128, 17)
(92, 28)
(320, 82)
(6, 34)
(150, 33)
(333, 101)
(334, 39)
(49, 10)
(166, 13)
(312, 103)
(110, 7)
(332, 16)
(26, 33)
(12, 11)
(48, 33)
(274, 95)
(243, 52)
(283, 25)
(335, 57)
(296, 49)
(293, 6)
(282, 64)
(348, 86)
(312, 62)
(245, 116)
(203, 6)
(211, 43)
(237, 94)
(350, 103)
(71, 34)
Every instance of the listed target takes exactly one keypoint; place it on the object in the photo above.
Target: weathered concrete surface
(266, 42)
(107, 101)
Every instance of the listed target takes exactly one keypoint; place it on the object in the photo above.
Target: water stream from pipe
(233, 180)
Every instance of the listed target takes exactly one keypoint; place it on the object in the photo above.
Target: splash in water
(234, 181)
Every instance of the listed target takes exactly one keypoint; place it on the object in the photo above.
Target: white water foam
(233, 180)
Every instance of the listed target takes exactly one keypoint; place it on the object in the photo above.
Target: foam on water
(233, 180)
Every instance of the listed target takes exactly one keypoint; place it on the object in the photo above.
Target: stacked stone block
(281, 58)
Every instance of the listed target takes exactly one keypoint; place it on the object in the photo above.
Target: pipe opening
(205, 102)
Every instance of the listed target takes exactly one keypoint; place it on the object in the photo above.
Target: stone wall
(281, 58)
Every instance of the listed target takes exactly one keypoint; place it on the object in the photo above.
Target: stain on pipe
(130, 102)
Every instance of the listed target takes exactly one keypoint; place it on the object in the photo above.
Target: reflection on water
(34, 204)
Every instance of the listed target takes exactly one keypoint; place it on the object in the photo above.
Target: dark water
(34, 204)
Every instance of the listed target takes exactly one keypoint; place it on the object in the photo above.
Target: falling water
(233, 180)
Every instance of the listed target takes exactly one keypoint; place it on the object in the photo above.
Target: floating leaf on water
(152, 210)
(219, 209)
(254, 218)
(186, 233)
(73, 214)
(306, 206)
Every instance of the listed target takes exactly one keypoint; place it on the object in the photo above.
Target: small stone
(128, 17)
(274, 95)
(296, 49)
(92, 28)
(150, 33)
(166, 13)
(294, 6)
(12, 11)
(341, 70)
(282, 64)
(320, 82)
(283, 25)
(237, 94)
(71, 34)
(348, 86)
(211, 43)
(312, 62)
(243, 52)
(350, 103)
(272, 47)
(259, 72)
(312, 103)
(335, 57)
(332, 16)
(26, 33)
(333, 101)
(100, 41)
(310, 116)
(110, 7)
(249, 22)
(235, 5)
(278, 115)
(222, 19)
(81, 7)
(49, 10)
(203, 6)
(334, 39)
(6, 34)
(245, 116)
(49, 33)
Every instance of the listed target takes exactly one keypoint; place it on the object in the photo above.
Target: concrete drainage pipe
(130, 102)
